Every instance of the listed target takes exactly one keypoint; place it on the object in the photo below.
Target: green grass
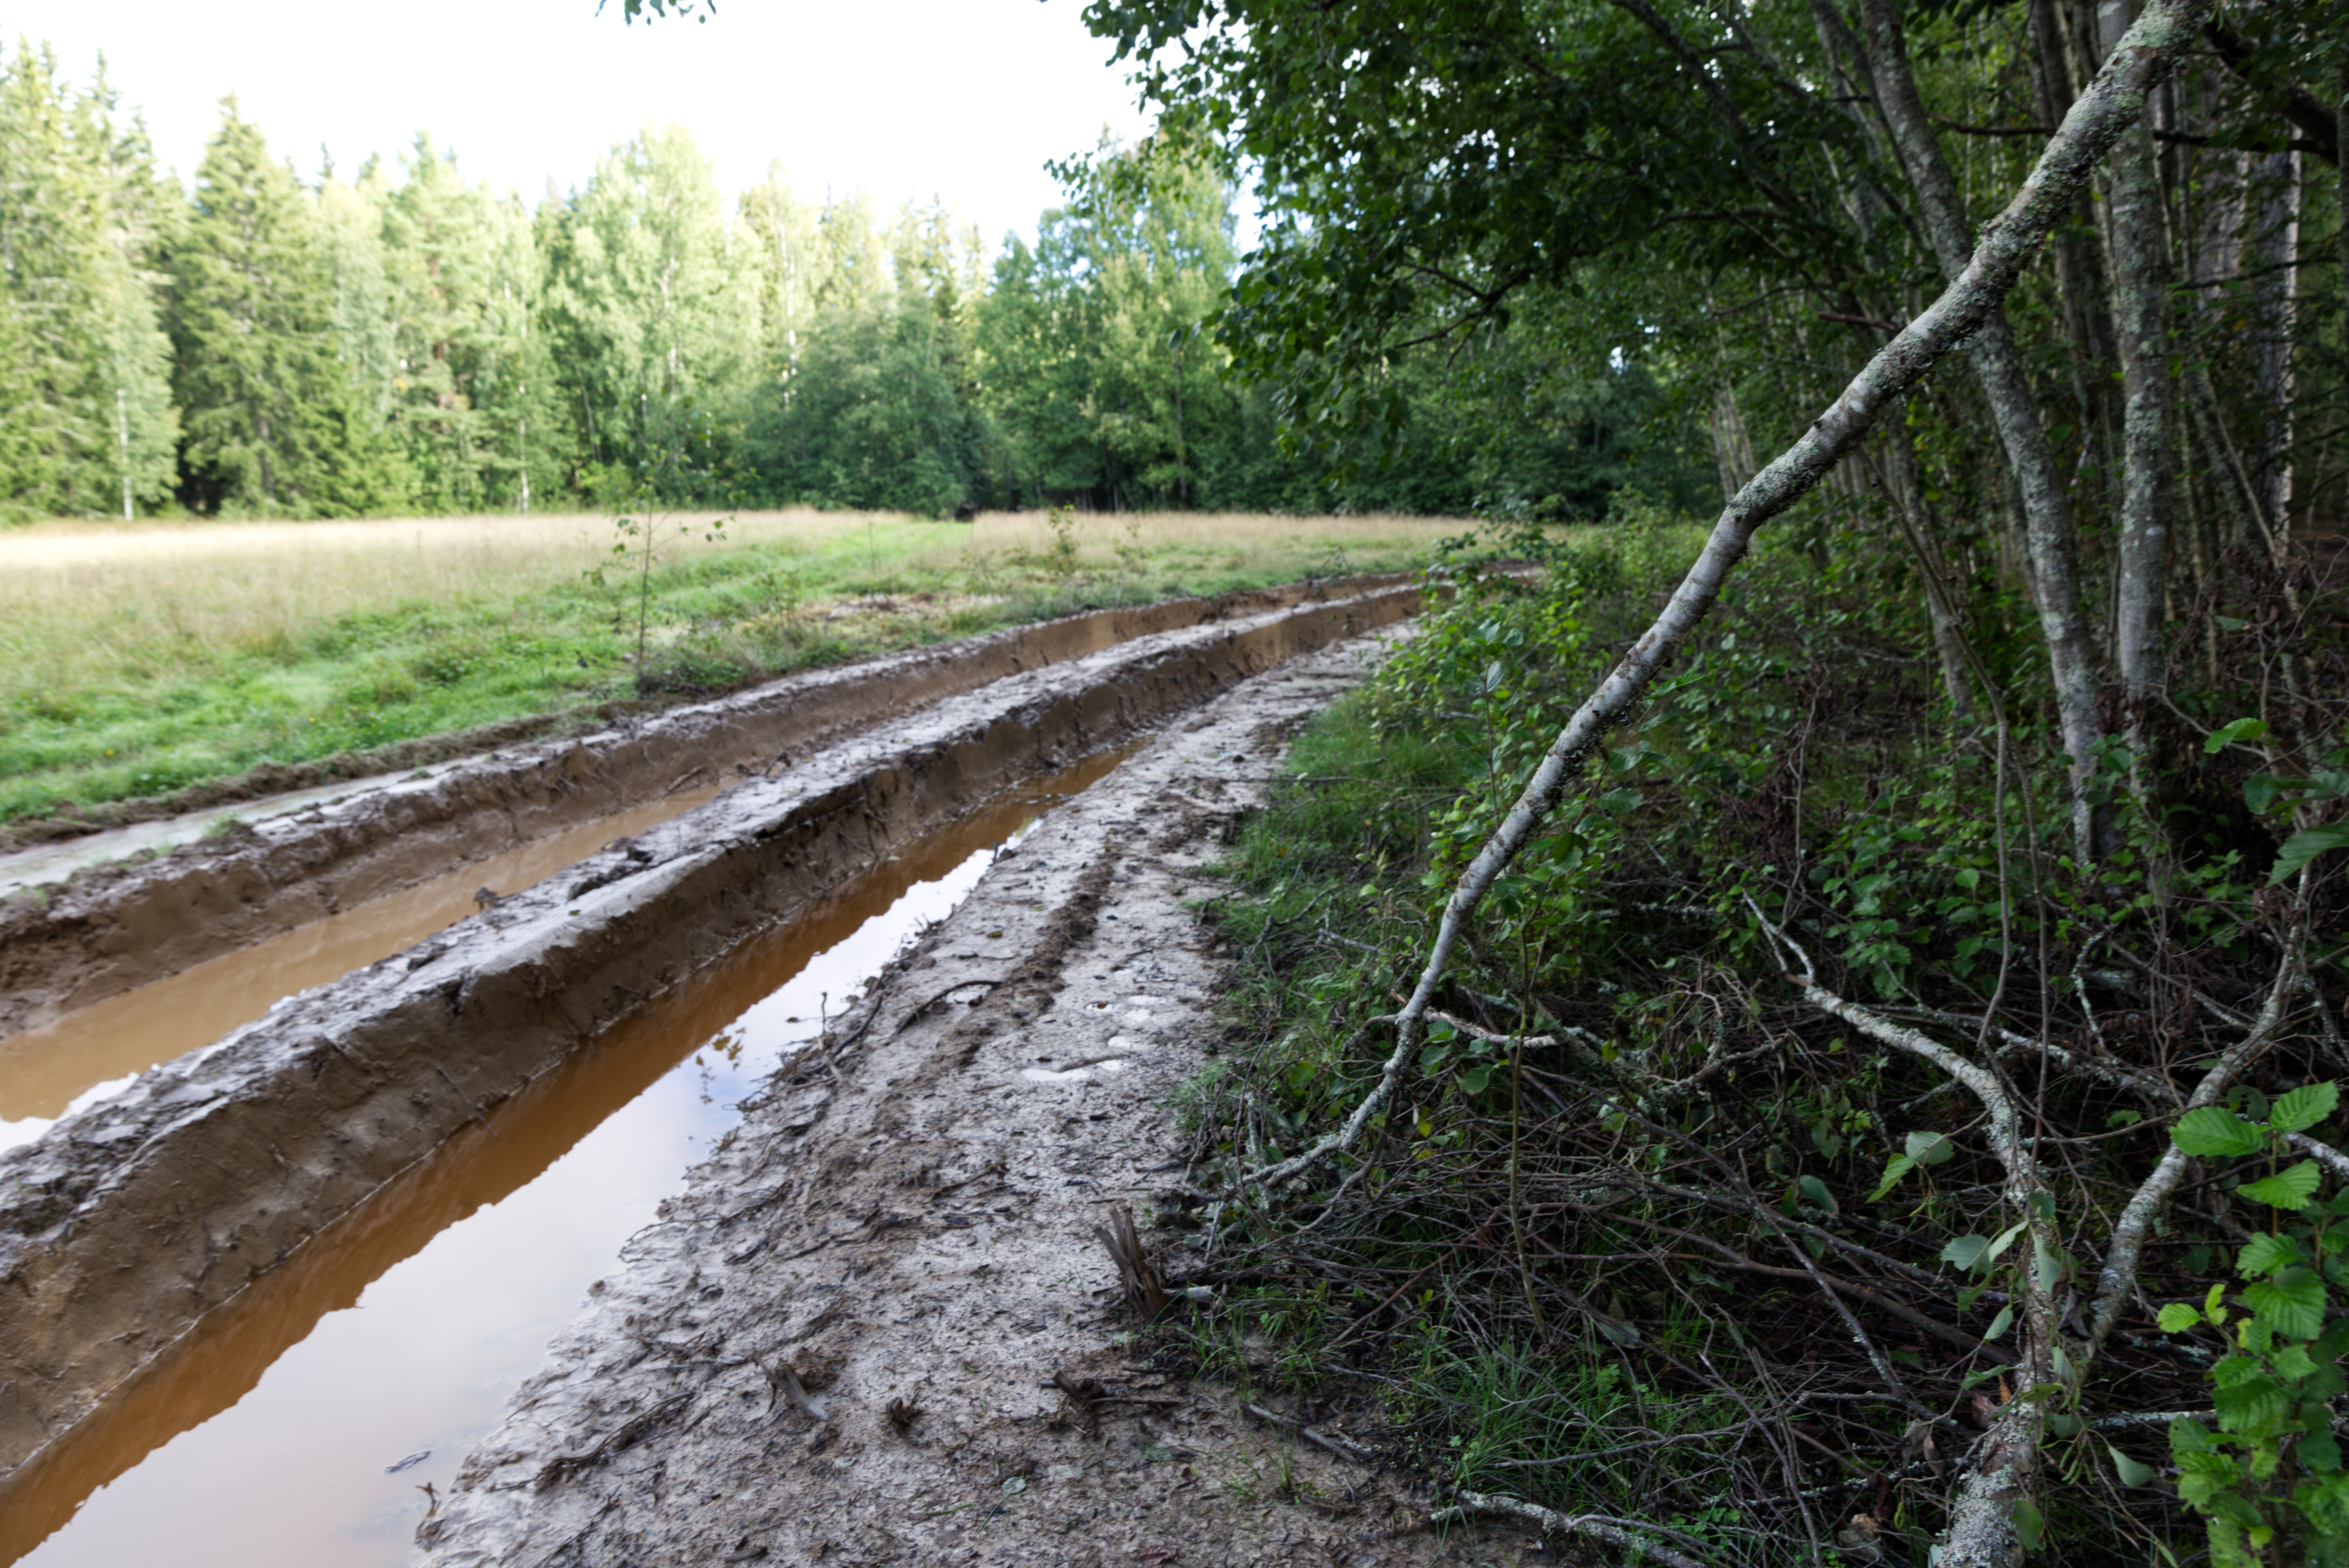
(138, 662)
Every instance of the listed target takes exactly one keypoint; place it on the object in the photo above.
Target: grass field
(136, 661)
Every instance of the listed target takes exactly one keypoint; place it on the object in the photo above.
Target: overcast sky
(906, 98)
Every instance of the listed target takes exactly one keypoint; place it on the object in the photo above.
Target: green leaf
(1620, 800)
(2305, 846)
(2002, 1241)
(1899, 1165)
(1966, 1251)
(1929, 1148)
(2001, 1324)
(2177, 1317)
(2290, 1188)
(2305, 1107)
(2293, 1303)
(2048, 1263)
(1471, 1081)
(2265, 1255)
(2029, 1524)
(2261, 790)
(2130, 1471)
(2211, 1131)
(2228, 734)
(1816, 1191)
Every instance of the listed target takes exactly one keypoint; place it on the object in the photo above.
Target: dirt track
(112, 927)
(128, 1221)
(906, 1219)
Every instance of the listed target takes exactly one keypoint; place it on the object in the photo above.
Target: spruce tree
(274, 421)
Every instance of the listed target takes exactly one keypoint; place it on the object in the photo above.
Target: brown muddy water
(307, 1424)
(89, 1054)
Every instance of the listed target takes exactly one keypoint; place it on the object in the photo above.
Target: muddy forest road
(141, 1221)
(879, 1325)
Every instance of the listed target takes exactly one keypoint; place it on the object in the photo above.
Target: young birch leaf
(1816, 1191)
(2261, 790)
(2177, 1317)
(2265, 1255)
(2030, 1524)
(1899, 1165)
(2001, 1324)
(2305, 1107)
(1929, 1148)
(2292, 1303)
(1966, 1251)
(2227, 734)
(2211, 1131)
(2305, 846)
(2130, 1471)
(2005, 1239)
(2290, 1188)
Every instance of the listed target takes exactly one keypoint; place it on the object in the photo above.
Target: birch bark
(2140, 249)
(1997, 362)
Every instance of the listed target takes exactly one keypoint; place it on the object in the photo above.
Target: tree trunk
(2054, 551)
(2270, 263)
(2141, 277)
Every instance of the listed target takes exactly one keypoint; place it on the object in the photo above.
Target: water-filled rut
(403, 1328)
(47, 1072)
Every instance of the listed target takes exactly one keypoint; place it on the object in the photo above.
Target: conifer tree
(141, 211)
(274, 420)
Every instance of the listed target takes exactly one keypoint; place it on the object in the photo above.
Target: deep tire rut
(850, 1339)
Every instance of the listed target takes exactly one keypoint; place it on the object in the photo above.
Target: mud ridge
(878, 1325)
(128, 1221)
(113, 927)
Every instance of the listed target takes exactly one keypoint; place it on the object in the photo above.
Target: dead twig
(1596, 1527)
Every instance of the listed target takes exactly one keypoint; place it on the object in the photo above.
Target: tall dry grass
(77, 598)
(137, 658)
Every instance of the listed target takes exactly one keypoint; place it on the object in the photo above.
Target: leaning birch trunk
(2141, 270)
(1998, 365)
(2009, 244)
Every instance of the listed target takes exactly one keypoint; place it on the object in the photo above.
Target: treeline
(399, 339)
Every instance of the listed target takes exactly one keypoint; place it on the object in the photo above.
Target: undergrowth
(1649, 1233)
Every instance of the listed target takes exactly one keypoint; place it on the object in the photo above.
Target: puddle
(276, 1434)
(89, 1054)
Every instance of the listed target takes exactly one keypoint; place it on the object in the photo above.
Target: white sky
(908, 100)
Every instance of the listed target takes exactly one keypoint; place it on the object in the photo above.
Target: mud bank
(843, 1342)
(128, 1221)
(111, 928)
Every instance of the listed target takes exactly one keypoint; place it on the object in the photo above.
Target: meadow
(140, 660)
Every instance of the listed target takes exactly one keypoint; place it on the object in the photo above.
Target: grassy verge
(137, 661)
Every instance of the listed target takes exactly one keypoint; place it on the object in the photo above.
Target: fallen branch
(1595, 1527)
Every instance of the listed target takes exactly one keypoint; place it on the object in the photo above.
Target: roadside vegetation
(135, 664)
(1821, 1045)
(1648, 1231)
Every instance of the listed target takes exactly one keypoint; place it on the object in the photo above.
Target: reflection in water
(90, 1053)
(407, 1326)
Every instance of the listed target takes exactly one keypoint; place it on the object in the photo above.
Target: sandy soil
(879, 1325)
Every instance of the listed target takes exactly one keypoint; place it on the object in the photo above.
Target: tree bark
(2055, 551)
(2141, 248)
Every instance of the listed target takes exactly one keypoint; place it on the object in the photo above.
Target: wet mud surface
(113, 927)
(317, 1407)
(130, 1219)
(878, 1325)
